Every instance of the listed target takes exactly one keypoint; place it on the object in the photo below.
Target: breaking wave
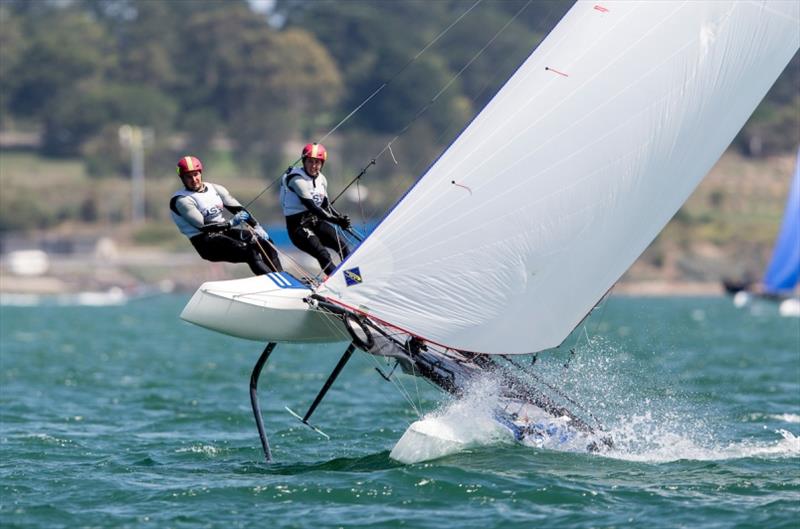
(657, 429)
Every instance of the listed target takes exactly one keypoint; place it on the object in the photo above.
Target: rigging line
(499, 129)
(361, 207)
(354, 180)
(416, 406)
(475, 57)
(452, 80)
(487, 83)
(302, 271)
(399, 387)
(416, 374)
(364, 225)
(406, 65)
(458, 74)
(584, 322)
(379, 89)
(339, 243)
(274, 181)
(557, 391)
(396, 381)
(405, 392)
(330, 321)
(261, 248)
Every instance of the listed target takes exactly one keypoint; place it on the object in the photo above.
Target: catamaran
(507, 242)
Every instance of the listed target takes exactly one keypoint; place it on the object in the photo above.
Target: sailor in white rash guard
(304, 198)
(197, 211)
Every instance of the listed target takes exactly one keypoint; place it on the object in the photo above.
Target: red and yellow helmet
(316, 151)
(187, 164)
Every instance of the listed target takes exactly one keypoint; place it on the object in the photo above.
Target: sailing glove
(239, 218)
(261, 232)
(343, 221)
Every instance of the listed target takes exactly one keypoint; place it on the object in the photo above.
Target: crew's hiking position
(304, 197)
(197, 211)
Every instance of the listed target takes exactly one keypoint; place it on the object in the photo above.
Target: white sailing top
(198, 208)
(296, 184)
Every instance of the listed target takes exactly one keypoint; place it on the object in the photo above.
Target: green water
(128, 417)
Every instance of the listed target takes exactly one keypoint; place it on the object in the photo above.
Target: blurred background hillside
(99, 98)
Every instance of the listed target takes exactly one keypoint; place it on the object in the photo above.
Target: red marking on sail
(601, 8)
(459, 185)
(555, 71)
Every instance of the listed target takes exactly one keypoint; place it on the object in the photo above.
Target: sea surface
(126, 416)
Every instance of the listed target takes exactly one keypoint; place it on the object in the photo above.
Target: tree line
(205, 73)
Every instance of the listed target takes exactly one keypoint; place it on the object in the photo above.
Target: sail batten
(560, 183)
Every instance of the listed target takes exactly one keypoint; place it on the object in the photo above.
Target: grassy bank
(726, 228)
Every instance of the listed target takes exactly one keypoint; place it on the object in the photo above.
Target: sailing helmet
(315, 150)
(187, 164)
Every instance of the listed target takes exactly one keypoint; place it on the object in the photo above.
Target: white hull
(790, 308)
(436, 437)
(267, 308)
(741, 299)
(463, 428)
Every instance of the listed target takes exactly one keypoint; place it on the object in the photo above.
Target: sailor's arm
(338, 218)
(233, 205)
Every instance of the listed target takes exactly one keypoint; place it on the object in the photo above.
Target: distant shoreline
(54, 285)
(662, 288)
(139, 268)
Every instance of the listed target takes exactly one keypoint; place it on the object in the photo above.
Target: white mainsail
(562, 181)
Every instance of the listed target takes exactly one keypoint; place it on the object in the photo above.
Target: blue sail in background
(784, 268)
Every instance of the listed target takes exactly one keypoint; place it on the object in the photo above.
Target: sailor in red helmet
(309, 215)
(197, 211)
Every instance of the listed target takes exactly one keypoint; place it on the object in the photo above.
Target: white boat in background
(789, 308)
(28, 262)
(110, 297)
(523, 224)
(114, 296)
